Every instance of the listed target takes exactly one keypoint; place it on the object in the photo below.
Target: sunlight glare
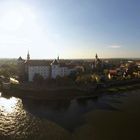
(12, 20)
(8, 105)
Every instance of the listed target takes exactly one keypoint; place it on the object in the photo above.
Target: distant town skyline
(70, 28)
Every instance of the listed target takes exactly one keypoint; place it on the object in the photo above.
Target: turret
(58, 58)
(54, 68)
(96, 56)
(21, 69)
(28, 56)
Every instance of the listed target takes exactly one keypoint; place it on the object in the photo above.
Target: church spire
(96, 56)
(28, 56)
(58, 58)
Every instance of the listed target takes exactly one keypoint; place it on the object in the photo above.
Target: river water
(33, 119)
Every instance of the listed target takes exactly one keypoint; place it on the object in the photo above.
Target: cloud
(114, 46)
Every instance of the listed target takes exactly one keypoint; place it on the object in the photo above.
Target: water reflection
(11, 116)
(23, 118)
(7, 106)
(63, 110)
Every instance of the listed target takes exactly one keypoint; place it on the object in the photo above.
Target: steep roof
(55, 62)
(20, 59)
(38, 62)
(47, 63)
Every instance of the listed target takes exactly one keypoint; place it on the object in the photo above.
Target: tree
(8, 70)
(38, 78)
(84, 79)
(73, 75)
(106, 71)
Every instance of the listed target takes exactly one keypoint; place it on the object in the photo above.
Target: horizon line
(74, 58)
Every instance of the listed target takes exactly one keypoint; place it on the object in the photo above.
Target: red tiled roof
(113, 72)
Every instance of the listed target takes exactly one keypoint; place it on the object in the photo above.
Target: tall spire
(58, 58)
(96, 56)
(28, 55)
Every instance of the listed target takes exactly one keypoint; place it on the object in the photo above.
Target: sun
(16, 18)
(18, 25)
(12, 20)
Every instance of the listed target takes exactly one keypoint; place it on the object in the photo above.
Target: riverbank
(70, 92)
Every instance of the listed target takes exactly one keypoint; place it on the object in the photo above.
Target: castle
(46, 68)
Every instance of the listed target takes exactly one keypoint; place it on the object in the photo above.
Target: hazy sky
(70, 28)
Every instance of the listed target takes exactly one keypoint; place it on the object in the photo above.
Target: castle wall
(44, 71)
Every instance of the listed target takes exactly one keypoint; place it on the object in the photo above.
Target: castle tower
(96, 56)
(28, 56)
(21, 69)
(58, 58)
(98, 64)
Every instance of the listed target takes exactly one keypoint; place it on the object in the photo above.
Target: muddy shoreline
(73, 92)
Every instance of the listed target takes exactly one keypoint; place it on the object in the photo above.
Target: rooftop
(38, 62)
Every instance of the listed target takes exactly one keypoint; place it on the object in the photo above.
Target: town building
(46, 68)
(97, 65)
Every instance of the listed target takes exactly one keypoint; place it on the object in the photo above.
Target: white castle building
(47, 69)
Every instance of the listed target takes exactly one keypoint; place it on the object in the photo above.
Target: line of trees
(8, 70)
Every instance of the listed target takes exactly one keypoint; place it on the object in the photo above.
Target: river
(35, 119)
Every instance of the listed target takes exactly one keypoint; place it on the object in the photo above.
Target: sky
(70, 28)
